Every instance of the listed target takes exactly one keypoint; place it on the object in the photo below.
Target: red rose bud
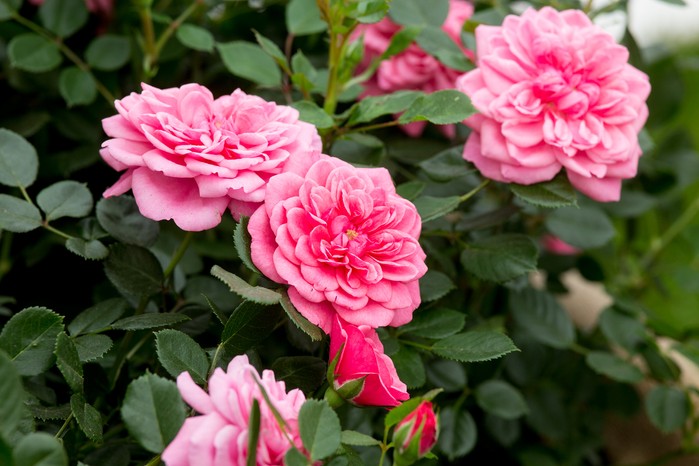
(415, 435)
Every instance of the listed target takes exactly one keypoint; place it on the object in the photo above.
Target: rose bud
(415, 435)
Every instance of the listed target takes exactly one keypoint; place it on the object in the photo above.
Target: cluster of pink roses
(553, 91)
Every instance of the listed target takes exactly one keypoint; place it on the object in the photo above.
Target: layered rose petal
(190, 157)
(219, 435)
(554, 91)
(413, 68)
(344, 242)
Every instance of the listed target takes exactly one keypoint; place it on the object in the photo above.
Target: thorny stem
(101, 88)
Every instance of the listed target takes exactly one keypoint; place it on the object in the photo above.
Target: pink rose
(219, 436)
(363, 373)
(556, 245)
(412, 69)
(416, 434)
(189, 157)
(344, 242)
(555, 91)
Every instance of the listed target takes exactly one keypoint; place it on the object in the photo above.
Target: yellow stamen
(351, 234)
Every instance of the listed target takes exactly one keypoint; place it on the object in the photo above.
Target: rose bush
(344, 242)
(190, 157)
(554, 91)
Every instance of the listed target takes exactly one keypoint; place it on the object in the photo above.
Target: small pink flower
(413, 68)
(189, 157)
(363, 367)
(556, 245)
(219, 436)
(416, 434)
(555, 91)
(344, 242)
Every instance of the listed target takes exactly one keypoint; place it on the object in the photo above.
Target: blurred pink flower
(555, 91)
(363, 375)
(413, 68)
(219, 436)
(416, 434)
(344, 242)
(189, 157)
(556, 245)
(101, 7)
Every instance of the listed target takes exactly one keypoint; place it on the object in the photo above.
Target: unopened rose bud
(415, 435)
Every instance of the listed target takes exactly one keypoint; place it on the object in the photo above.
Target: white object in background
(654, 22)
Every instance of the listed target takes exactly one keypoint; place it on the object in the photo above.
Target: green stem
(384, 446)
(5, 262)
(162, 40)
(416, 345)
(177, 256)
(676, 228)
(56, 231)
(474, 191)
(101, 88)
(361, 129)
(149, 51)
(62, 431)
(154, 461)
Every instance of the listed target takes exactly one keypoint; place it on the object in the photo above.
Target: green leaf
(92, 347)
(434, 323)
(306, 373)
(31, 52)
(178, 353)
(150, 320)
(622, 329)
(367, 11)
(65, 199)
(11, 396)
(92, 250)
(613, 367)
(411, 189)
(7, 7)
(303, 17)
(409, 366)
(446, 374)
(29, 338)
(108, 52)
(272, 50)
(441, 107)
(242, 240)
(299, 320)
(447, 165)
(249, 324)
(63, 17)
(352, 437)
(257, 294)
(542, 317)
(120, 217)
(501, 399)
(371, 108)
(68, 362)
(474, 346)
(153, 411)
(19, 163)
(319, 428)
(419, 12)
(397, 414)
(98, 317)
(18, 215)
(253, 433)
(436, 42)
(359, 149)
(668, 408)
(501, 258)
(552, 194)
(77, 87)
(293, 457)
(431, 208)
(39, 449)
(89, 419)
(133, 270)
(434, 285)
(457, 433)
(247, 60)
(584, 227)
(313, 114)
(195, 37)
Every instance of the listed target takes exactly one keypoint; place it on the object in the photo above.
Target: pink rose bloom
(416, 434)
(189, 157)
(413, 68)
(556, 245)
(219, 436)
(344, 242)
(555, 91)
(361, 358)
